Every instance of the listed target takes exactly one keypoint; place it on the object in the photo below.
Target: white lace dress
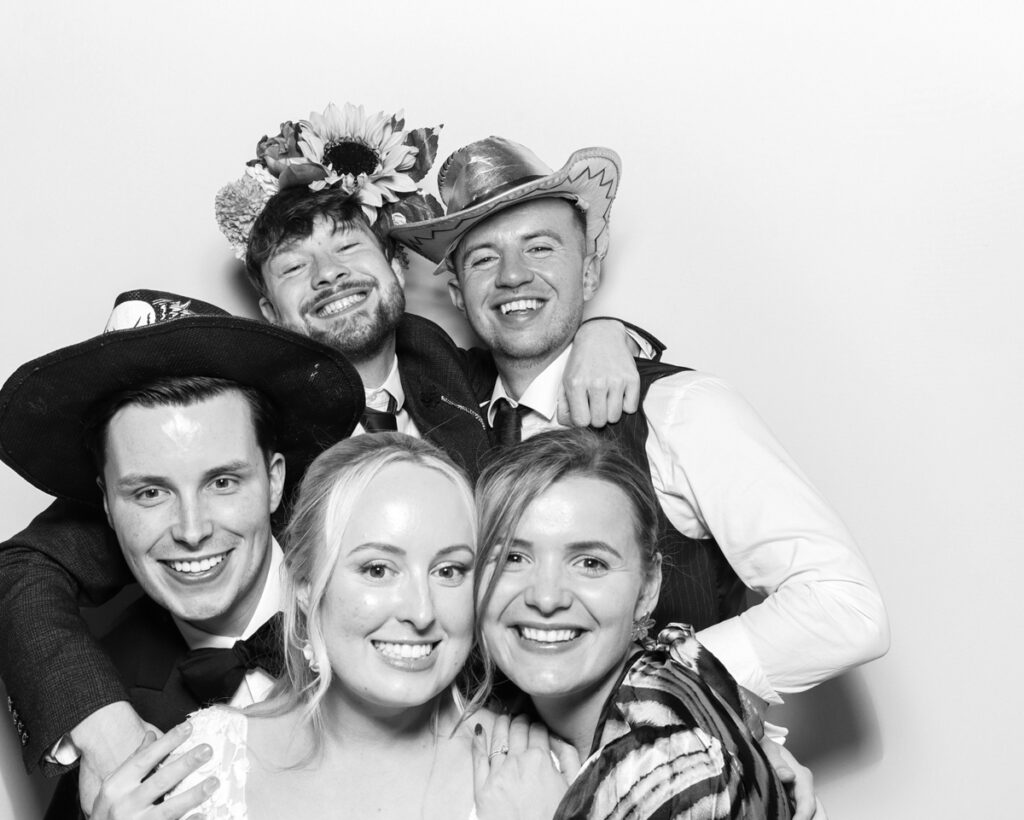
(225, 730)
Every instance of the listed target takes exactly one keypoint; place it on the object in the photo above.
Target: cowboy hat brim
(590, 177)
(316, 392)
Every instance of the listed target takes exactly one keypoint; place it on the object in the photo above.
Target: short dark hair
(290, 215)
(177, 391)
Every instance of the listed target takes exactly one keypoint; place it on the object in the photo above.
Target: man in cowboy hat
(526, 245)
(182, 422)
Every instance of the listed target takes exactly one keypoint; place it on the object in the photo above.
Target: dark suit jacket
(55, 673)
(145, 646)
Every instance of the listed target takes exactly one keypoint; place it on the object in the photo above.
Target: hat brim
(590, 177)
(316, 392)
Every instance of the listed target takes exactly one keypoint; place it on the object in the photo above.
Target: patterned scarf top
(672, 743)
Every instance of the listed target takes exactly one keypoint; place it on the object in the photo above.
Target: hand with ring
(521, 773)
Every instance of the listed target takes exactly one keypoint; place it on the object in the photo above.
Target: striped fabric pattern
(674, 745)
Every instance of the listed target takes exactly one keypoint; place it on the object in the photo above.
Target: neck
(518, 374)
(574, 716)
(374, 368)
(357, 724)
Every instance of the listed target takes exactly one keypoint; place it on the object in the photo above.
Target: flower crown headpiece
(372, 158)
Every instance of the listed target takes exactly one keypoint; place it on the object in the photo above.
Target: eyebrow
(137, 479)
(391, 549)
(547, 233)
(575, 546)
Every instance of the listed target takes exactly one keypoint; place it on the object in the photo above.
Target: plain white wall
(821, 201)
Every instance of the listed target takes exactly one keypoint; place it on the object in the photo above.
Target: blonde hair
(326, 499)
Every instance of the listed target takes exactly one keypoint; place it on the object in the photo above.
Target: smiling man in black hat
(183, 422)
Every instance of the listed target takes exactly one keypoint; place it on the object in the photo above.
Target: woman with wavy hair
(568, 572)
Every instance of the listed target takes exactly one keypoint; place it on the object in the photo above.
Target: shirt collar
(377, 398)
(268, 605)
(542, 394)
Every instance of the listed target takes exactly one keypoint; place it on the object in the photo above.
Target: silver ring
(501, 750)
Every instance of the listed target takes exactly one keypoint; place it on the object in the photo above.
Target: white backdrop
(821, 201)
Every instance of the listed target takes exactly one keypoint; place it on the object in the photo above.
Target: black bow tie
(214, 675)
(508, 422)
(380, 421)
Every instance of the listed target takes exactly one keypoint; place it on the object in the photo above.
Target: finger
(481, 763)
(579, 403)
(171, 775)
(499, 732)
(519, 734)
(174, 807)
(599, 399)
(562, 409)
(631, 395)
(568, 758)
(151, 752)
(539, 737)
(616, 396)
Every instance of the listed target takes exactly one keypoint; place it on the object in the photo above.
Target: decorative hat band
(370, 157)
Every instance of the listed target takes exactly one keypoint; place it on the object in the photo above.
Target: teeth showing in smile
(201, 565)
(338, 305)
(520, 304)
(548, 635)
(404, 651)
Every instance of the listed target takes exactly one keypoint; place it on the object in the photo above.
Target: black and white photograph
(511, 411)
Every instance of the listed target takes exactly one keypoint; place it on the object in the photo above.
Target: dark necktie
(214, 675)
(508, 422)
(379, 421)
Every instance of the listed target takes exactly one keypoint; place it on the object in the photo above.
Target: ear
(591, 276)
(269, 311)
(455, 292)
(396, 266)
(650, 590)
(276, 472)
(106, 506)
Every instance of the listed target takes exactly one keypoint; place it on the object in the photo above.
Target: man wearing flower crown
(318, 202)
(525, 245)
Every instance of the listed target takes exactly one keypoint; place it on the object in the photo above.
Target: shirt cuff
(728, 642)
(63, 753)
(647, 350)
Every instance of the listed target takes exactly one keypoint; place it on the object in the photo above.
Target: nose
(417, 603)
(546, 592)
(193, 525)
(328, 271)
(514, 272)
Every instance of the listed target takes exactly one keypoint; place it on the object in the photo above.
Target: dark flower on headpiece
(274, 152)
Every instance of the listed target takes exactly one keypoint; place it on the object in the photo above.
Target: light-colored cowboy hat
(495, 173)
(150, 335)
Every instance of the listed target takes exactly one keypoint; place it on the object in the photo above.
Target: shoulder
(413, 330)
(224, 730)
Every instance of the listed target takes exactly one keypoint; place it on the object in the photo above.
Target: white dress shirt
(257, 683)
(377, 399)
(718, 471)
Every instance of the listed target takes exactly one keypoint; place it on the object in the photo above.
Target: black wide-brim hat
(316, 392)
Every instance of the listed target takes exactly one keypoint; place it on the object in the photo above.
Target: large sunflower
(360, 153)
